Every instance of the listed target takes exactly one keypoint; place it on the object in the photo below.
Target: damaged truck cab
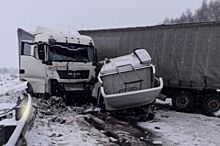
(56, 62)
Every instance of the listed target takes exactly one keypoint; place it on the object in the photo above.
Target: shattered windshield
(71, 52)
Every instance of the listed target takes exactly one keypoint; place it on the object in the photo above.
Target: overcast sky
(79, 14)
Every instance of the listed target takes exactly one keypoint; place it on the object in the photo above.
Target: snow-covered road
(74, 131)
(172, 128)
(185, 129)
(68, 129)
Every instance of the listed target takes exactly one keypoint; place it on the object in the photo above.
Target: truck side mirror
(41, 52)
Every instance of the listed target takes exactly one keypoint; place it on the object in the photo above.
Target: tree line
(209, 11)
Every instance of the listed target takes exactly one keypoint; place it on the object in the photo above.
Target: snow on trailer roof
(161, 26)
(139, 59)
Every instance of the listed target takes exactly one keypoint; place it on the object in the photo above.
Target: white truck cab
(55, 62)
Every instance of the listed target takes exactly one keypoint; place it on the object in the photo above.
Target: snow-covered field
(69, 128)
(9, 82)
(9, 85)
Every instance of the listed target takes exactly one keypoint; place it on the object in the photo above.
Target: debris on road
(121, 132)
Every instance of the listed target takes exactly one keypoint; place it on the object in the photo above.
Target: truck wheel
(183, 101)
(211, 104)
(101, 103)
(29, 89)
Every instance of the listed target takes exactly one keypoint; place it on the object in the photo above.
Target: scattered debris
(58, 120)
(122, 132)
(113, 140)
(157, 142)
(165, 116)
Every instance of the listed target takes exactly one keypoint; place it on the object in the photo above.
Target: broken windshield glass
(71, 52)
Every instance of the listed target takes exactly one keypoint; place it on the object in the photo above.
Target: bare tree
(215, 10)
(203, 13)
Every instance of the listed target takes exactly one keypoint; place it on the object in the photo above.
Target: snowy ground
(185, 129)
(64, 129)
(69, 128)
(10, 83)
(10, 86)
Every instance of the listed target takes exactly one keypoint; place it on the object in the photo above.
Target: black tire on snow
(211, 104)
(183, 101)
(29, 89)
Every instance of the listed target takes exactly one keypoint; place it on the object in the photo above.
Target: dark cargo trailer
(187, 56)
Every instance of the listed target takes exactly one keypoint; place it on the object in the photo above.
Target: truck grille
(69, 74)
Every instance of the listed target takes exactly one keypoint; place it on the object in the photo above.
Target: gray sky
(79, 14)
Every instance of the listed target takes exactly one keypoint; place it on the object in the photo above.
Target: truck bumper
(73, 87)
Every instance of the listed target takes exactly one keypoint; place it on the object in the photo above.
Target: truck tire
(211, 104)
(183, 101)
(29, 89)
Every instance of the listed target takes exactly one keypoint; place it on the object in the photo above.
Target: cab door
(32, 66)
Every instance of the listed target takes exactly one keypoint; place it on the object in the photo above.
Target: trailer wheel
(211, 104)
(183, 101)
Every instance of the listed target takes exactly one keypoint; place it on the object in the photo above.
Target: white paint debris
(157, 142)
(168, 101)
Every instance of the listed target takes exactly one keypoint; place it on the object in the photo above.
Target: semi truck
(185, 55)
(56, 62)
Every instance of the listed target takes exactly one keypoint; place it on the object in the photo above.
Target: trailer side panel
(185, 55)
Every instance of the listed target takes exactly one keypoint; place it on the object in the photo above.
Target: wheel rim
(214, 105)
(182, 101)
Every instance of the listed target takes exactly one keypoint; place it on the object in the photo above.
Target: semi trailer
(56, 62)
(185, 55)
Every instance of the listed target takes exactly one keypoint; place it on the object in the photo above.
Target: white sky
(79, 14)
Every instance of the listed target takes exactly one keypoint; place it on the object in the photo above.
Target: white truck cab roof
(44, 35)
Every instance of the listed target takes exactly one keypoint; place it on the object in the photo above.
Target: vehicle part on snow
(129, 81)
